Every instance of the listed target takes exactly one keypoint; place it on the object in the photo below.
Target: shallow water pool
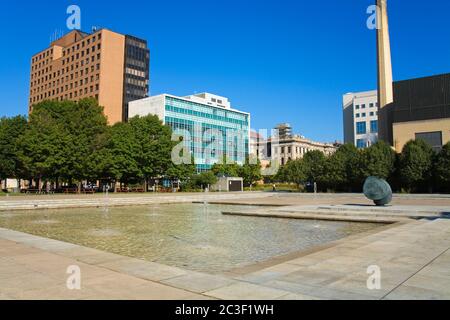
(192, 236)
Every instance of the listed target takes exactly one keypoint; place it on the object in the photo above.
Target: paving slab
(415, 293)
(322, 293)
(198, 282)
(246, 291)
(144, 269)
(414, 259)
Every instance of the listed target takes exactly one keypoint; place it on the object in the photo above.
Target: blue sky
(283, 61)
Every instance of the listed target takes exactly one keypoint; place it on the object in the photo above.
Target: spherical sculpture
(378, 190)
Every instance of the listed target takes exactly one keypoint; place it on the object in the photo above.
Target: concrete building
(108, 66)
(210, 127)
(409, 109)
(228, 184)
(284, 131)
(9, 185)
(384, 62)
(283, 148)
(421, 110)
(255, 140)
(361, 118)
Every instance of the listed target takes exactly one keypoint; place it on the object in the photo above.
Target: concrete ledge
(350, 213)
(316, 216)
(99, 202)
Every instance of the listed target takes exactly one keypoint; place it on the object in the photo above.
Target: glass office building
(211, 129)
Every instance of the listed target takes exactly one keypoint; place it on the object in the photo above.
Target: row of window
(46, 62)
(207, 130)
(70, 77)
(361, 127)
(205, 109)
(364, 114)
(362, 143)
(46, 54)
(42, 55)
(363, 106)
(37, 89)
(288, 150)
(36, 67)
(81, 55)
(58, 91)
(70, 86)
(228, 118)
(84, 43)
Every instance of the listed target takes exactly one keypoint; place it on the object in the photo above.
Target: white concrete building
(211, 128)
(361, 118)
(285, 146)
(9, 185)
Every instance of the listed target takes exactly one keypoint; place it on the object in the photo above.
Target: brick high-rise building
(111, 67)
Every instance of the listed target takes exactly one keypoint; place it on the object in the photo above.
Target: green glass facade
(209, 132)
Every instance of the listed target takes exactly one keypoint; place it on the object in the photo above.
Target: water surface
(192, 236)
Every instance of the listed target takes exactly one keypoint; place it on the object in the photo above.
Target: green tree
(101, 162)
(83, 122)
(346, 163)
(39, 146)
(204, 179)
(182, 172)
(416, 162)
(251, 172)
(378, 160)
(227, 168)
(442, 168)
(293, 172)
(11, 129)
(334, 175)
(314, 165)
(155, 141)
(123, 152)
(61, 138)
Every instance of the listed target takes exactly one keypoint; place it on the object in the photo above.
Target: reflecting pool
(192, 236)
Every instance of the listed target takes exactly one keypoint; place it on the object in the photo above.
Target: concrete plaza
(411, 252)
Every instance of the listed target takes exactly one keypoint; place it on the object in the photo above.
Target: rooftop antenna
(57, 34)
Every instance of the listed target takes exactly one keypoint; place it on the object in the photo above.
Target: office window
(371, 105)
(361, 128)
(374, 126)
(360, 143)
(434, 139)
(358, 115)
(372, 114)
(363, 106)
(357, 107)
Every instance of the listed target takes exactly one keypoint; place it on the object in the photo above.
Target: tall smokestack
(385, 88)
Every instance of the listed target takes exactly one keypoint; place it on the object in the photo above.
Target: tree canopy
(11, 130)
(70, 142)
(416, 164)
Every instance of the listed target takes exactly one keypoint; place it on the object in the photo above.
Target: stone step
(360, 213)
(315, 216)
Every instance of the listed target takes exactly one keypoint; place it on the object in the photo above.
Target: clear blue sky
(283, 61)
